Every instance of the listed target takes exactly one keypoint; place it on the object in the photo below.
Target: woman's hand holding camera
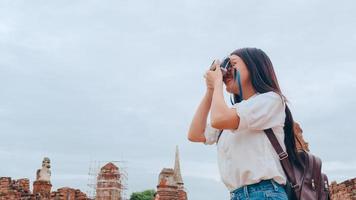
(213, 77)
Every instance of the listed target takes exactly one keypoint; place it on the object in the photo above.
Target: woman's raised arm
(198, 124)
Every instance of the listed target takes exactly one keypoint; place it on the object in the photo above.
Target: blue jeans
(266, 189)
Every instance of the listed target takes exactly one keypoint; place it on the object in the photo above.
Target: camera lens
(225, 65)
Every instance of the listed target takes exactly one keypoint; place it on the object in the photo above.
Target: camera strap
(238, 80)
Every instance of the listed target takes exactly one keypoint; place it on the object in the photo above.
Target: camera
(225, 66)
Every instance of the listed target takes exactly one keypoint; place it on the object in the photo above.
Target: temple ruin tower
(170, 183)
(108, 183)
(167, 188)
(182, 195)
(42, 186)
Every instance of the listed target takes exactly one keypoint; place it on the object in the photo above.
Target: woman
(248, 164)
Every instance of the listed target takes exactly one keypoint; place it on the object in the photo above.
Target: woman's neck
(248, 91)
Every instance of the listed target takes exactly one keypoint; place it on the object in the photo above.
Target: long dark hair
(264, 80)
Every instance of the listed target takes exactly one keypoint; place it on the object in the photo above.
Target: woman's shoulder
(269, 96)
(259, 100)
(272, 97)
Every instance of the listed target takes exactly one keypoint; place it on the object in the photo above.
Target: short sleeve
(260, 112)
(211, 134)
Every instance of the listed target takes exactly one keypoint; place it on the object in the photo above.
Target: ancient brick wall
(67, 193)
(343, 191)
(20, 190)
(182, 194)
(15, 189)
(42, 189)
(167, 193)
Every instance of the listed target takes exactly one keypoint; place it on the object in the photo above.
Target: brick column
(42, 189)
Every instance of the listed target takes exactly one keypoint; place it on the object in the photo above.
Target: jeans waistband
(262, 185)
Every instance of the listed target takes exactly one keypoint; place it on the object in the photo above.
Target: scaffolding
(94, 170)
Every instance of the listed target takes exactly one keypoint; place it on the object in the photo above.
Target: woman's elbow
(190, 137)
(217, 121)
(217, 124)
(225, 123)
(193, 138)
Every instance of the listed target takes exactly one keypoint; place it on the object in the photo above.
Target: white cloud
(335, 166)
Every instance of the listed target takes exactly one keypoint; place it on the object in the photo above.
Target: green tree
(145, 195)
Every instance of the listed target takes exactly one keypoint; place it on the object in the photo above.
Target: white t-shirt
(245, 155)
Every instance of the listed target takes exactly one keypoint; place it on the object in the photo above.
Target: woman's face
(229, 80)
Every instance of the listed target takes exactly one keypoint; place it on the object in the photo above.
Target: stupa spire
(177, 174)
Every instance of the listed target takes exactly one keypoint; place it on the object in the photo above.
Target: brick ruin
(66, 193)
(109, 183)
(108, 186)
(170, 187)
(15, 189)
(343, 191)
(170, 183)
(20, 190)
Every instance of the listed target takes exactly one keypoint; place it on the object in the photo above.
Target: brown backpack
(306, 182)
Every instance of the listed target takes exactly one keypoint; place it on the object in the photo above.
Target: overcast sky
(84, 81)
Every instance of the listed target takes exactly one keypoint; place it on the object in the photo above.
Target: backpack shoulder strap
(283, 157)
